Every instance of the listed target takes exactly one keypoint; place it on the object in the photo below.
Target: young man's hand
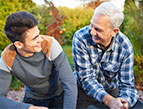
(37, 107)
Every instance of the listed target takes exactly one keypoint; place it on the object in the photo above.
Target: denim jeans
(87, 102)
(84, 101)
(138, 105)
(53, 103)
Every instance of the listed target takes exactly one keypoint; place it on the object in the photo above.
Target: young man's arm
(68, 81)
(66, 75)
(5, 80)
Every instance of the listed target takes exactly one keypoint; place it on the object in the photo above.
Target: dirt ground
(18, 95)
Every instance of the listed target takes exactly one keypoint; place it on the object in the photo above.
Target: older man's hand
(115, 103)
(118, 103)
(37, 107)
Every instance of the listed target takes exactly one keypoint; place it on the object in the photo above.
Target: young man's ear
(18, 44)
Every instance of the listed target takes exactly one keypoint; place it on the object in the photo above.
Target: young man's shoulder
(51, 47)
(46, 44)
(9, 54)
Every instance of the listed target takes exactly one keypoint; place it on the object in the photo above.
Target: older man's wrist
(107, 99)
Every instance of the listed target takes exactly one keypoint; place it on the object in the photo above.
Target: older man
(103, 58)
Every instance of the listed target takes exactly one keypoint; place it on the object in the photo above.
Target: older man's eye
(97, 29)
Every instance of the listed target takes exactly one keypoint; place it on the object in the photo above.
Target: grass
(16, 84)
(68, 51)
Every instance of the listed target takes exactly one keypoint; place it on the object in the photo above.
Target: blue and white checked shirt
(98, 71)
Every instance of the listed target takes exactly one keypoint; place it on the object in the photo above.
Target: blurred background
(61, 18)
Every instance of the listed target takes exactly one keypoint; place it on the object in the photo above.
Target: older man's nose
(93, 32)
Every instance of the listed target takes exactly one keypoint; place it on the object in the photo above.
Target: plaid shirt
(99, 70)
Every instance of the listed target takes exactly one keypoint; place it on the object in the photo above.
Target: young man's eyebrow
(36, 36)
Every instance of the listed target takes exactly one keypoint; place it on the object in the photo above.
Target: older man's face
(100, 29)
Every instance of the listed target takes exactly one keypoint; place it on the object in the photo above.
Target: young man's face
(32, 42)
(101, 30)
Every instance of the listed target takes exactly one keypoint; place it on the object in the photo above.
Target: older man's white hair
(115, 15)
(118, 3)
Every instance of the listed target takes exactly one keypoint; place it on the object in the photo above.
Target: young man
(39, 62)
(103, 58)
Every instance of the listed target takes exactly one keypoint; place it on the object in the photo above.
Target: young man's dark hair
(17, 23)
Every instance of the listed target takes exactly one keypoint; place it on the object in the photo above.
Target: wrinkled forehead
(100, 21)
(99, 18)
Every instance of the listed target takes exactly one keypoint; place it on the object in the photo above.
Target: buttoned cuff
(100, 95)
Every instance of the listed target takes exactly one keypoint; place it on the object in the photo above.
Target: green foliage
(68, 51)
(133, 24)
(139, 61)
(55, 29)
(75, 19)
(6, 8)
(15, 84)
(133, 28)
(138, 68)
(0, 52)
(43, 15)
(50, 20)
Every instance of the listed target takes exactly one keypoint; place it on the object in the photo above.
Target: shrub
(75, 19)
(138, 68)
(132, 27)
(134, 24)
(0, 52)
(6, 8)
(50, 20)
(16, 84)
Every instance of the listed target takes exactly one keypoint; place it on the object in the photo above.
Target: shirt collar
(114, 42)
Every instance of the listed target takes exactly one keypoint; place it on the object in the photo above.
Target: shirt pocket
(110, 70)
